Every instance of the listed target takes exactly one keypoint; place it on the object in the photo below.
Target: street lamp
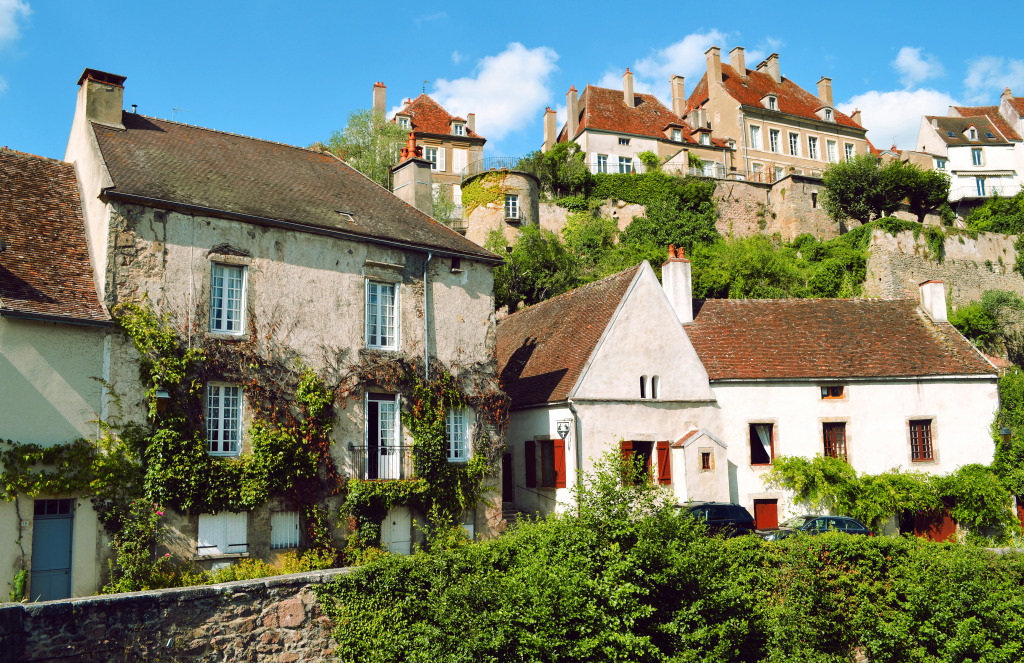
(1005, 433)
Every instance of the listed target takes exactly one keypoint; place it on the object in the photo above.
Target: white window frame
(940, 164)
(812, 147)
(794, 144)
(227, 312)
(623, 140)
(224, 428)
(511, 205)
(828, 114)
(831, 151)
(979, 183)
(437, 163)
(388, 340)
(705, 139)
(284, 529)
(755, 137)
(625, 165)
(389, 463)
(774, 136)
(849, 151)
(403, 121)
(458, 129)
(457, 195)
(223, 533)
(677, 135)
(456, 432)
(772, 103)
(602, 163)
(780, 172)
(977, 157)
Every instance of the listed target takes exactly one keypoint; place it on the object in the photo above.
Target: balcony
(381, 462)
(987, 189)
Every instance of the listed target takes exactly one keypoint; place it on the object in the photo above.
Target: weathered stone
(291, 613)
(288, 657)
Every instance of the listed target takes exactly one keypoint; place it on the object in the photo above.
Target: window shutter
(531, 464)
(211, 535)
(440, 159)
(664, 464)
(235, 531)
(559, 463)
(627, 449)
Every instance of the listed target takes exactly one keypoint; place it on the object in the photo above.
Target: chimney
(572, 113)
(933, 300)
(101, 97)
(380, 98)
(825, 90)
(739, 63)
(627, 88)
(677, 281)
(935, 123)
(678, 95)
(411, 178)
(714, 59)
(550, 129)
(471, 121)
(1006, 96)
(855, 116)
(772, 65)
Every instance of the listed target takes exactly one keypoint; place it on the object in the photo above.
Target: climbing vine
(482, 191)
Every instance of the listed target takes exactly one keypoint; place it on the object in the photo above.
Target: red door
(938, 526)
(766, 513)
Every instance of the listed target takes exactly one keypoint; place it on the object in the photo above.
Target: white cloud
(613, 80)
(762, 50)
(560, 115)
(684, 58)
(431, 17)
(10, 12)
(896, 115)
(457, 57)
(987, 76)
(507, 93)
(915, 67)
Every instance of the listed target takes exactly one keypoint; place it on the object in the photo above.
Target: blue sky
(292, 72)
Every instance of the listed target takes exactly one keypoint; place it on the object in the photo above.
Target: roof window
(988, 134)
(950, 134)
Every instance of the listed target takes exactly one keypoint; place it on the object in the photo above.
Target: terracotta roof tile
(827, 339)
(1017, 103)
(542, 350)
(958, 125)
(428, 117)
(179, 163)
(992, 113)
(44, 263)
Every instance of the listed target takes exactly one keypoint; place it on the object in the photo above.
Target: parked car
(815, 525)
(721, 517)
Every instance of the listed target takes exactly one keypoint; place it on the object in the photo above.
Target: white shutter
(235, 526)
(284, 529)
(211, 535)
(457, 195)
(593, 162)
(440, 159)
(458, 160)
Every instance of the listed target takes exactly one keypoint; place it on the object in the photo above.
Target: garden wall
(268, 619)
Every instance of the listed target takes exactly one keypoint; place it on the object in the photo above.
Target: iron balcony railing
(490, 163)
(989, 189)
(375, 461)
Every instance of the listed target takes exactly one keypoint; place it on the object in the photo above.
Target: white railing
(989, 190)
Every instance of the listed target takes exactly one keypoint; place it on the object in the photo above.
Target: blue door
(51, 550)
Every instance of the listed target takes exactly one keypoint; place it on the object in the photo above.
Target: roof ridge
(34, 156)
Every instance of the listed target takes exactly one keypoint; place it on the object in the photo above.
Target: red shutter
(559, 463)
(664, 464)
(627, 456)
(531, 464)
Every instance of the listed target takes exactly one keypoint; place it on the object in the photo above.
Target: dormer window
(403, 121)
(972, 133)
(705, 139)
(771, 102)
(828, 114)
(459, 129)
(677, 135)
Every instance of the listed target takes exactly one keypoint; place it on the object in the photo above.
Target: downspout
(577, 427)
(426, 319)
(743, 135)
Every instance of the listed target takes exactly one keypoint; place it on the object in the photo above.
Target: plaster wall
(483, 219)
(801, 163)
(539, 423)
(593, 143)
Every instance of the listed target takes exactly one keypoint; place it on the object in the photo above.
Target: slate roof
(958, 125)
(992, 113)
(542, 349)
(193, 166)
(603, 109)
(44, 261)
(749, 90)
(428, 117)
(827, 339)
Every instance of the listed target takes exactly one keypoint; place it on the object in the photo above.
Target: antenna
(176, 110)
(425, 82)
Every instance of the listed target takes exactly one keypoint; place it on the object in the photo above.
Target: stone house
(709, 392)
(777, 127)
(56, 339)
(239, 240)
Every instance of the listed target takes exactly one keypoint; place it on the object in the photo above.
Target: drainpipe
(743, 135)
(426, 319)
(577, 438)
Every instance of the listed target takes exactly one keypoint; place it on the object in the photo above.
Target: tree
(927, 190)
(680, 211)
(849, 186)
(537, 267)
(442, 204)
(370, 144)
(999, 215)
(861, 188)
(562, 170)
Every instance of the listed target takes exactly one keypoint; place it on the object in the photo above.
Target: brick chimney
(380, 104)
(550, 129)
(772, 65)
(714, 59)
(738, 61)
(933, 300)
(471, 121)
(825, 91)
(572, 112)
(678, 95)
(627, 88)
(411, 178)
(855, 116)
(101, 97)
(677, 281)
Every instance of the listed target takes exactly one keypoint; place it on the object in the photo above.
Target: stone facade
(481, 219)
(268, 619)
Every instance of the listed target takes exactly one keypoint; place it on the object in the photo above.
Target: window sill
(760, 465)
(226, 336)
(222, 454)
(925, 461)
(219, 556)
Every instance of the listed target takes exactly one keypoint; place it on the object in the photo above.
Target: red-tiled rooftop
(992, 113)
(542, 349)
(428, 117)
(957, 126)
(827, 339)
(44, 261)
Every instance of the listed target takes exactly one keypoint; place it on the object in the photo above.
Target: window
(835, 439)
(223, 419)
(780, 172)
(456, 430)
(552, 463)
(511, 206)
(832, 392)
(773, 139)
(794, 145)
(602, 163)
(383, 438)
(828, 114)
(762, 444)
(403, 122)
(814, 200)
(677, 135)
(705, 139)
(639, 453)
(284, 529)
(976, 158)
(223, 533)
(623, 141)
(430, 154)
(830, 149)
(921, 440)
(664, 463)
(755, 138)
(812, 147)
(989, 134)
(457, 195)
(643, 386)
(973, 133)
(980, 183)
(848, 150)
(772, 103)
(459, 129)
(656, 387)
(757, 169)
(940, 164)
(706, 461)
(625, 165)
(459, 159)
(227, 293)
(381, 315)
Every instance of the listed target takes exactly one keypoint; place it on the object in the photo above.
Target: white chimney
(933, 300)
(678, 95)
(380, 104)
(550, 129)
(677, 281)
(572, 113)
(627, 88)
(738, 61)
(471, 121)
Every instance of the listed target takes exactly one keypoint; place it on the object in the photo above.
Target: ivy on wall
(485, 190)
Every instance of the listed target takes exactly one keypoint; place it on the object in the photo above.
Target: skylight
(950, 134)
(988, 134)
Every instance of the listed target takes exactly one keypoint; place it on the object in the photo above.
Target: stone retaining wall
(269, 619)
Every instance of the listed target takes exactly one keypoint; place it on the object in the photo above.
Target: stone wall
(269, 619)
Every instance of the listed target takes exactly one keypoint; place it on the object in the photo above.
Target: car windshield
(796, 522)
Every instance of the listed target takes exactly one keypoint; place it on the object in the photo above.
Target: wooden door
(51, 550)
(766, 514)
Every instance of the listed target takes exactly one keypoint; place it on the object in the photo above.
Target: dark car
(722, 517)
(815, 525)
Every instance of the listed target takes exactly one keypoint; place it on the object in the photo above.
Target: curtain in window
(764, 433)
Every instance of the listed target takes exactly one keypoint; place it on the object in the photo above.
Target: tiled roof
(179, 163)
(428, 116)
(1017, 103)
(603, 109)
(958, 125)
(749, 90)
(542, 350)
(44, 261)
(992, 113)
(827, 339)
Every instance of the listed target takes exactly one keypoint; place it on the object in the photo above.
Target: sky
(293, 72)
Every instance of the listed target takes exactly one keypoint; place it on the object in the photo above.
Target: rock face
(269, 619)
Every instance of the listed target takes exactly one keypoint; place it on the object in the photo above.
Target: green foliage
(650, 160)
(999, 215)
(694, 161)
(66, 468)
(1009, 456)
(538, 267)
(680, 211)
(487, 189)
(995, 323)
(19, 586)
(590, 239)
(370, 144)
(136, 566)
(442, 205)
(562, 170)
(861, 188)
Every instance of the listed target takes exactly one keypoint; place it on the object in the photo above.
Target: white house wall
(594, 142)
(538, 424)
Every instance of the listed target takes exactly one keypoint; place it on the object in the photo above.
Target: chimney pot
(738, 61)
(933, 300)
(627, 88)
(412, 179)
